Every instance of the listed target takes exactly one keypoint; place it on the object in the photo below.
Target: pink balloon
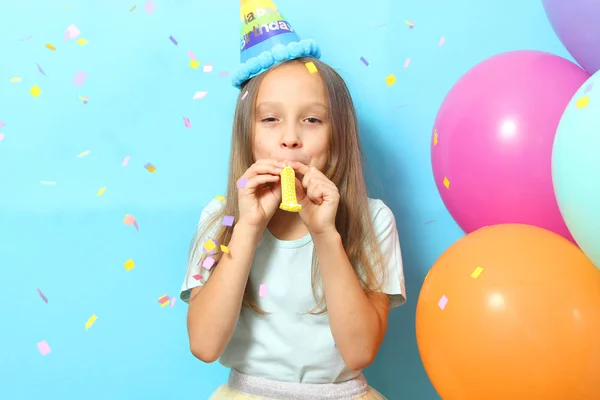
(493, 136)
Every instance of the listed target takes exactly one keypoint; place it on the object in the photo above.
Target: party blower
(288, 190)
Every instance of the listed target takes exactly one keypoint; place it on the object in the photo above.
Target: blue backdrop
(59, 149)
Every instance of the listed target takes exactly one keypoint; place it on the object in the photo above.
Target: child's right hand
(259, 199)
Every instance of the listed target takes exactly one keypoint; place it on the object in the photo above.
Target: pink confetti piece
(173, 301)
(589, 88)
(44, 348)
(42, 296)
(41, 70)
(199, 95)
(224, 73)
(79, 78)
(442, 41)
(197, 277)
(208, 263)
(163, 299)
(130, 220)
(245, 95)
(135, 224)
(228, 220)
(187, 122)
(150, 7)
(173, 40)
(443, 301)
(262, 290)
(242, 183)
(72, 32)
(364, 61)
(1, 137)
(2, 124)
(407, 62)
(125, 161)
(191, 55)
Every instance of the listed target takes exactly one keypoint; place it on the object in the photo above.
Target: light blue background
(72, 245)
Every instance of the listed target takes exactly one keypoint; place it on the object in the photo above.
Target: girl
(297, 303)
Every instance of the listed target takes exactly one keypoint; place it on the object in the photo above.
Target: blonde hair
(344, 168)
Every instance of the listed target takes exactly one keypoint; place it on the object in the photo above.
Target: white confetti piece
(199, 95)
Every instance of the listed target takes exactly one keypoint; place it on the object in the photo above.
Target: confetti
(130, 220)
(199, 95)
(209, 245)
(588, 88)
(447, 183)
(477, 272)
(208, 263)
(72, 32)
(42, 296)
(125, 161)
(220, 198)
(435, 137)
(35, 91)
(163, 300)
(173, 301)
(224, 249)
(380, 26)
(312, 68)
(149, 7)
(228, 220)
(187, 122)
(390, 80)
(40, 69)
(262, 290)
(2, 124)
(443, 301)
(224, 73)
(429, 222)
(582, 102)
(43, 348)
(79, 78)
(442, 41)
(407, 62)
(208, 68)
(49, 46)
(85, 153)
(245, 95)
(364, 61)
(197, 277)
(81, 41)
(47, 183)
(194, 64)
(242, 183)
(1, 137)
(411, 24)
(129, 265)
(132, 8)
(90, 322)
(191, 55)
(173, 40)
(84, 99)
(101, 191)
(15, 80)
(150, 167)
(27, 38)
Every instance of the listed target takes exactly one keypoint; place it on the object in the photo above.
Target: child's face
(292, 117)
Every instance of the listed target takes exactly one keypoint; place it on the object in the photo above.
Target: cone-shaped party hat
(267, 40)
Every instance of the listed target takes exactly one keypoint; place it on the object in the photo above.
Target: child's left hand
(319, 198)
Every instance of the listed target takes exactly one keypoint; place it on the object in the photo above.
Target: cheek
(262, 147)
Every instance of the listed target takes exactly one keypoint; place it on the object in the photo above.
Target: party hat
(267, 39)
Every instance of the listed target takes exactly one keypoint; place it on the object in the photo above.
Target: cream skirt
(245, 387)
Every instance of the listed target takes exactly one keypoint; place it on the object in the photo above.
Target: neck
(286, 225)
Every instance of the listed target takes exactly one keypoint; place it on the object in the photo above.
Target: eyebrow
(276, 103)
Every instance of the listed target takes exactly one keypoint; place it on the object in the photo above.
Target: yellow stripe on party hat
(267, 39)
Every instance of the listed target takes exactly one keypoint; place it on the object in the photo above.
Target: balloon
(492, 141)
(576, 167)
(577, 24)
(511, 312)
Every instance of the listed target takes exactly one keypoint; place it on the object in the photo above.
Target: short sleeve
(384, 224)
(196, 274)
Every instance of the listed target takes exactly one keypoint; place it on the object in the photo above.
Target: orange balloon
(511, 312)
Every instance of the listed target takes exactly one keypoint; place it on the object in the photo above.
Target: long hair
(344, 168)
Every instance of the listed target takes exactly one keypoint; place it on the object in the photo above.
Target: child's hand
(319, 198)
(259, 192)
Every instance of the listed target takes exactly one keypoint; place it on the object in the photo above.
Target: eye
(269, 119)
(313, 120)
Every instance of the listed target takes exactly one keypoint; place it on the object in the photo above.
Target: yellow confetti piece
(447, 183)
(163, 300)
(35, 91)
(132, 8)
(477, 272)
(435, 137)
(194, 64)
(81, 41)
(582, 102)
(101, 191)
(129, 265)
(150, 167)
(312, 68)
(90, 322)
(15, 79)
(85, 153)
(390, 80)
(209, 245)
(224, 249)
(220, 198)
(49, 46)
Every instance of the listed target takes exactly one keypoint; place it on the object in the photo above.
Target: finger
(260, 180)
(298, 166)
(261, 169)
(316, 193)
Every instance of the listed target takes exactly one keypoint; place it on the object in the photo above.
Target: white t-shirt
(289, 344)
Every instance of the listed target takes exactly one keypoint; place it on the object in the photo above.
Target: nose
(290, 139)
